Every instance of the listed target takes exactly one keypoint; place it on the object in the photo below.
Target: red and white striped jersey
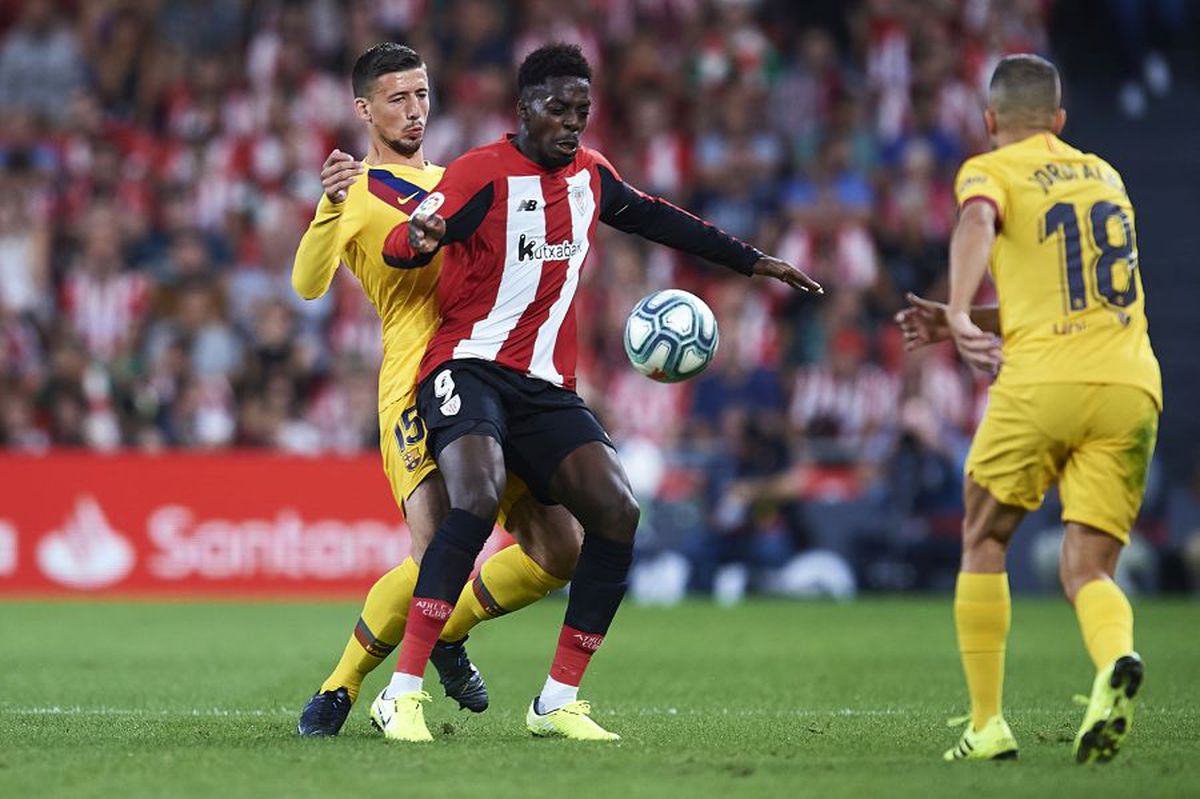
(105, 310)
(851, 406)
(517, 235)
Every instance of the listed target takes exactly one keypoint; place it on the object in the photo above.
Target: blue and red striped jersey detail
(396, 192)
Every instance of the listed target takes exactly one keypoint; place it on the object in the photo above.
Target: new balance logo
(536, 250)
(527, 205)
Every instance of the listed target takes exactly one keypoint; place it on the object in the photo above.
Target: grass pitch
(766, 699)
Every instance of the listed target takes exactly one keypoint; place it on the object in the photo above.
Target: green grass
(767, 699)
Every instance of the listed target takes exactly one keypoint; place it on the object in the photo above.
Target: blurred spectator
(40, 62)
(18, 429)
(804, 97)
(733, 47)
(659, 156)
(925, 473)
(25, 286)
(736, 162)
(104, 301)
(1146, 28)
(943, 146)
(844, 406)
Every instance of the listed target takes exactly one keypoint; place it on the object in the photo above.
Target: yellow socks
(1106, 620)
(379, 629)
(508, 581)
(982, 613)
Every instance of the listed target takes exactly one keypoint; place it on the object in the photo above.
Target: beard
(406, 147)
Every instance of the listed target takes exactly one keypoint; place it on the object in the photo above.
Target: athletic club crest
(579, 199)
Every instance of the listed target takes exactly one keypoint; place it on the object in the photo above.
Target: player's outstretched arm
(320, 250)
(769, 266)
(970, 249)
(653, 218)
(923, 322)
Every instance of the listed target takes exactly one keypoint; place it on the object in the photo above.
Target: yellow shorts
(1094, 439)
(406, 459)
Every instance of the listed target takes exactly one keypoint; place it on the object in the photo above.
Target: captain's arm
(321, 248)
(653, 218)
(457, 201)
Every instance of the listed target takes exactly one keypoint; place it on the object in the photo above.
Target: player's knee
(560, 548)
(615, 517)
(1066, 579)
(621, 517)
(998, 529)
(976, 535)
(474, 472)
(989, 524)
(982, 549)
(558, 556)
(1074, 572)
(479, 495)
(1088, 554)
(988, 531)
(1074, 576)
(482, 503)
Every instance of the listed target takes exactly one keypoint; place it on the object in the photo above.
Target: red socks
(426, 618)
(575, 650)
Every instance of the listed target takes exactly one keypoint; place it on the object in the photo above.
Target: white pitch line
(55, 710)
(218, 712)
(751, 712)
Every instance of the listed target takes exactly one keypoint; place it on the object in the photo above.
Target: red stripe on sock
(575, 650)
(426, 618)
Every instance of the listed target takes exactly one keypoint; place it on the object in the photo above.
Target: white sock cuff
(556, 694)
(402, 683)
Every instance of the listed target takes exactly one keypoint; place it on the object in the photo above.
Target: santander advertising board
(188, 524)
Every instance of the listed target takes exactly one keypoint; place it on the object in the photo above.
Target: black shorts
(537, 424)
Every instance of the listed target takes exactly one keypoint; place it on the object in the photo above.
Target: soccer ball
(670, 336)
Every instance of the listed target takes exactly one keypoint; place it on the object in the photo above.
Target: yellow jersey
(352, 232)
(1065, 266)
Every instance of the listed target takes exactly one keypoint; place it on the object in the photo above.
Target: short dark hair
(382, 59)
(1025, 88)
(554, 60)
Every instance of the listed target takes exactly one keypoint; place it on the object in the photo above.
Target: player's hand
(979, 349)
(425, 232)
(338, 175)
(785, 272)
(923, 322)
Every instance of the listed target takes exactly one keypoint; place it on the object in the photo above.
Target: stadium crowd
(161, 158)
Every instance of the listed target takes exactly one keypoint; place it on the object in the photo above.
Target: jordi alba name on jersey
(1065, 265)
